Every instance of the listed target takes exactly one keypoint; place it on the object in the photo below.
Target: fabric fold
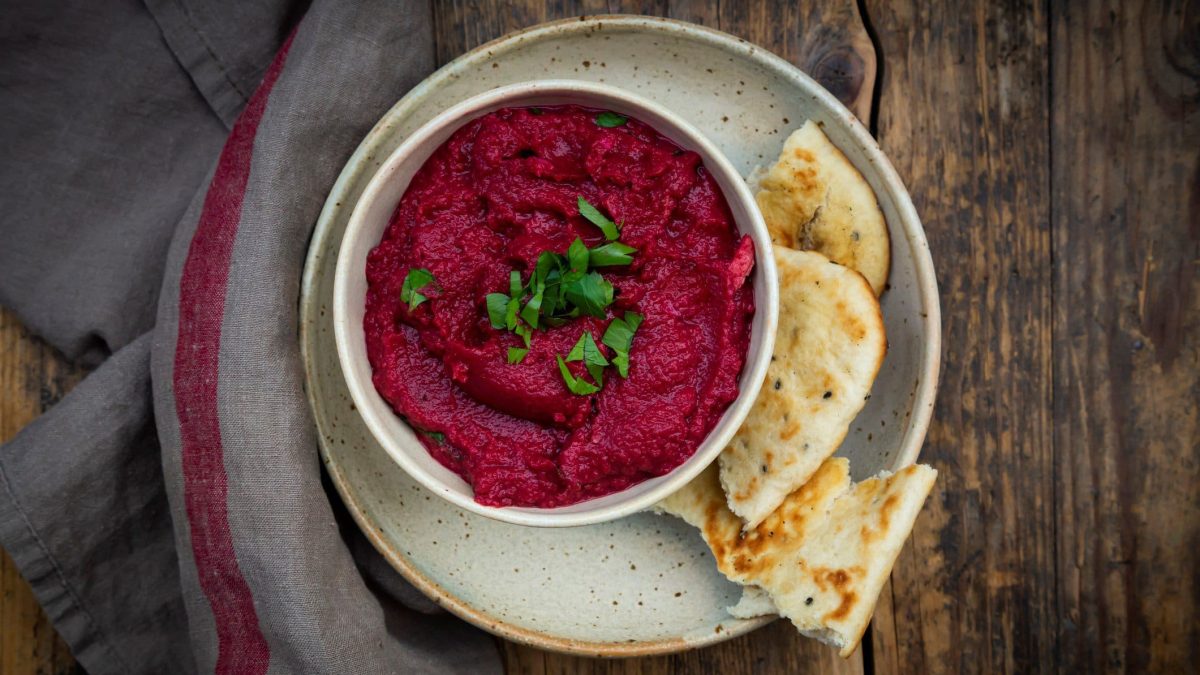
(225, 59)
(84, 515)
(105, 142)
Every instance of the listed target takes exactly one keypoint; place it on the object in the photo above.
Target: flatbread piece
(828, 348)
(754, 602)
(813, 199)
(824, 554)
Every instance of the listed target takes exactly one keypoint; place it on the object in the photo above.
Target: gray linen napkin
(165, 165)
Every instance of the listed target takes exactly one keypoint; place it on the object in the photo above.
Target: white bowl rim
(371, 406)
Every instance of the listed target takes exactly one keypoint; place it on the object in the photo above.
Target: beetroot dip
(500, 191)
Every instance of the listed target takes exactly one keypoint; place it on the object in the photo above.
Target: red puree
(503, 189)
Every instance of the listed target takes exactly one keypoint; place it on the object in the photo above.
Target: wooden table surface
(1053, 152)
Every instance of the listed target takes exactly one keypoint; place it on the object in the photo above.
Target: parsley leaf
(416, 279)
(497, 306)
(576, 353)
(592, 353)
(551, 294)
(517, 354)
(588, 351)
(547, 262)
(619, 336)
(514, 285)
(621, 361)
(593, 360)
(437, 436)
(530, 313)
(510, 313)
(577, 255)
(593, 216)
(634, 320)
(609, 119)
(525, 332)
(611, 254)
(577, 385)
(590, 293)
(597, 373)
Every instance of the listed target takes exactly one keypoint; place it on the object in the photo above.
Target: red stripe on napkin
(241, 647)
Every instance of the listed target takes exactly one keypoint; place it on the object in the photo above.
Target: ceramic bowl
(372, 215)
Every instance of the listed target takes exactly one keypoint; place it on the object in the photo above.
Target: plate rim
(923, 398)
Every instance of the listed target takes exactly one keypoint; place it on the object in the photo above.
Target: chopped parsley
(564, 287)
(611, 254)
(560, 288)
(510, 314)
(588, 351)
(619, 337)
(592, 214)
(436, 436)
(609, 119)
(416, 279)
(577, 385)
(526, 334)
(533, 308)
(497, 307)
(590, 293)
(578, 255)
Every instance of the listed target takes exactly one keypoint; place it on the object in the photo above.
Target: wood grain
(32, 378)
(963, 114)
(1126, 212)
(776, 648)
(825, 38)
(1054, 161)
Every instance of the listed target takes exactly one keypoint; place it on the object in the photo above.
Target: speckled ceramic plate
(644, 584)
